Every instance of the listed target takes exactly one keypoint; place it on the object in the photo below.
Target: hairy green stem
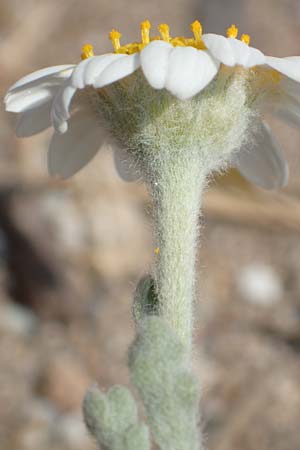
(176, 188)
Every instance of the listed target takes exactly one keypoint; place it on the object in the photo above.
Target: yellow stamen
(196, 28)
(245, 38)
(157, 250)
(197, 42)
(145, 29)
(232, 32)
(114, 36)
(164, 30)
(87, 51)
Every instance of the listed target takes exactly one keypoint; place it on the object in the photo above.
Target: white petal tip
(10, 109)
(62, 128)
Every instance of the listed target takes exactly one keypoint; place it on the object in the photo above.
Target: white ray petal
(33, 90)
(288, 66)
(89, 69)
(154, 63)
(34, 121)
(62, 71)
(117, 70)
(245, 55)
(289, 116)
(189, 71)
(70, 152)
(93, 70)
(291, 87)
(286, 107)
(125, 165)
(60, 111)
(77, 78)
(29, 99)
(262, 161)
(220, 48)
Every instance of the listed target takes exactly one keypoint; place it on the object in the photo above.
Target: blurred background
(72, 252)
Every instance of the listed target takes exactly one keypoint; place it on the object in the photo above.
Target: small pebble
(71, 430)
(17, 319)
(259, 284)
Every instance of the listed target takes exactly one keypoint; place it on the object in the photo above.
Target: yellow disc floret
(164, 30)
(114, 36)
(245, 38)
(196, 28)
(145, 31)
(87, 51)
(232, 32)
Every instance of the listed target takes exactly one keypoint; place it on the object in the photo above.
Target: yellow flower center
(164, 30)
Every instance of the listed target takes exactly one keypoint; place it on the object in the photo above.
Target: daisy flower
(81, 100)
